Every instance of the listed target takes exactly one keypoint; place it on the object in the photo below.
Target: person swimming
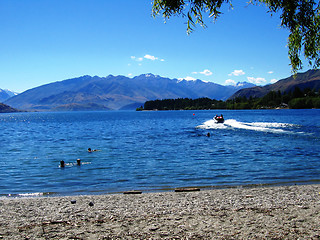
(62, 164)
(92, 150)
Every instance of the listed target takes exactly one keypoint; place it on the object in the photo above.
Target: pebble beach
(284, 212)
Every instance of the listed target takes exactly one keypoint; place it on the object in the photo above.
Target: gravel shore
(286, 212)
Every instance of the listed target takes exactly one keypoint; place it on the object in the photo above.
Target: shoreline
(263, 212)
(156, 190)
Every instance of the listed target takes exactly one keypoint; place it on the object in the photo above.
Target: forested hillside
(297, 100)
(7, 109)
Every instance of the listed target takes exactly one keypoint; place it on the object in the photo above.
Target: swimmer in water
(92, 150)
(62, 164)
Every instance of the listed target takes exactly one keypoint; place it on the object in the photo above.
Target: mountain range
(120, 92)
(6, 94)
(115, 92)
(309, 79)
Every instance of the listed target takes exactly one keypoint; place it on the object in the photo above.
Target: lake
(156, 150)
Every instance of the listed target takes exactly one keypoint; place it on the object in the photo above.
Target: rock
(153, 228)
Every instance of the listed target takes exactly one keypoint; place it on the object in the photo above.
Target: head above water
(62, 164)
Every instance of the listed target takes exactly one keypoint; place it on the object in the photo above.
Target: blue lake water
(155, 151)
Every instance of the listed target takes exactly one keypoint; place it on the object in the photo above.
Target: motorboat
(219, 119)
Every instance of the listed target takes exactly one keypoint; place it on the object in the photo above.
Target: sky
(43, 41)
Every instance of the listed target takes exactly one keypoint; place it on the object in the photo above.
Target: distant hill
(7, 109)
(115, 92)
(80, 107)
(309, 79)
(6, 94)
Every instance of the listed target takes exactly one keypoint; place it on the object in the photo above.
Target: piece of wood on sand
(132, 192)
(187, 189)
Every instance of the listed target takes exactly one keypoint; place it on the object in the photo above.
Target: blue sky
(43, 41)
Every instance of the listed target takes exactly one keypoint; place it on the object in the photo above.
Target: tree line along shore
(297, 99)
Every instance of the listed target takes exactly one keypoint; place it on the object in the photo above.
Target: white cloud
(230, 82)
(270, 72)
(189, 78)
(237, 73)
(129, 74)
(150, 57)
(136, 59)
(147, 56)
(206, 72)
(256, 80)
(273, 80)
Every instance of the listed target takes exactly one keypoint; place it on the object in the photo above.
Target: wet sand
(286, 212)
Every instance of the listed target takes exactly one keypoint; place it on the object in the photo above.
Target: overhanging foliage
(301, 18)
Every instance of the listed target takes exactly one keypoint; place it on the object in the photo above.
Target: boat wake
(272, 127)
